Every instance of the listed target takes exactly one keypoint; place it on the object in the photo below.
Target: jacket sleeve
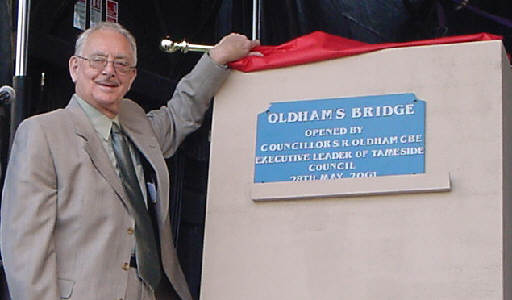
(185, 110)
(28, 217)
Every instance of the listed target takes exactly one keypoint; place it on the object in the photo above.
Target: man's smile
(107, 83)
(107, 86)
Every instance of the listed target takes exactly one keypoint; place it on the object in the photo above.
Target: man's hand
(232, 47)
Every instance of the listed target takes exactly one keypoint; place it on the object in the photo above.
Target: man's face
(103, 87)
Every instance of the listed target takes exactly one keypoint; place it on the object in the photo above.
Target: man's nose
(109, 68)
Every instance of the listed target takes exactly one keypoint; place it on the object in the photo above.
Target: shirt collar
(101, 123)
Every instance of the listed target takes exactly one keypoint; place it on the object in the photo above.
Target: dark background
(52, 36)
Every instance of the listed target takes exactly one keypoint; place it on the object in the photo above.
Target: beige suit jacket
(65, 218)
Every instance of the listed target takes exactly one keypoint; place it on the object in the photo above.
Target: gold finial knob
(169, 46)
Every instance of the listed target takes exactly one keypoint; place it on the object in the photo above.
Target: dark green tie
(148, 260)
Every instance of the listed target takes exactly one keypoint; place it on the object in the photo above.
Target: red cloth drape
(319, 45)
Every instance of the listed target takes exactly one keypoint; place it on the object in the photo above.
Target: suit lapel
(140, 133)
(95, 149)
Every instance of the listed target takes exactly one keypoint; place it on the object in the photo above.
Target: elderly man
(85, 210)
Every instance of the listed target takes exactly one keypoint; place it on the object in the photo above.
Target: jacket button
(131, 230)
(125, 266)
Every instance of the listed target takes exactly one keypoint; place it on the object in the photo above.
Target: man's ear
(73, 68)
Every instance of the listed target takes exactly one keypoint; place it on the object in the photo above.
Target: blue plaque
(338, 138)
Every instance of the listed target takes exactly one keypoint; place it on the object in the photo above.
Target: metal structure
(21, 80)
(256, 19)
(169, 46)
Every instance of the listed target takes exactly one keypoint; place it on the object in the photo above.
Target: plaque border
(352, 187)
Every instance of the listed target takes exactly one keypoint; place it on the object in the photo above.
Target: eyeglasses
(100, 62)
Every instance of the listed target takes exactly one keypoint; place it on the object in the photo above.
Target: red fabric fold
(319, 45)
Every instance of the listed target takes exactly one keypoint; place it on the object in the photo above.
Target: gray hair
(82, 38)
